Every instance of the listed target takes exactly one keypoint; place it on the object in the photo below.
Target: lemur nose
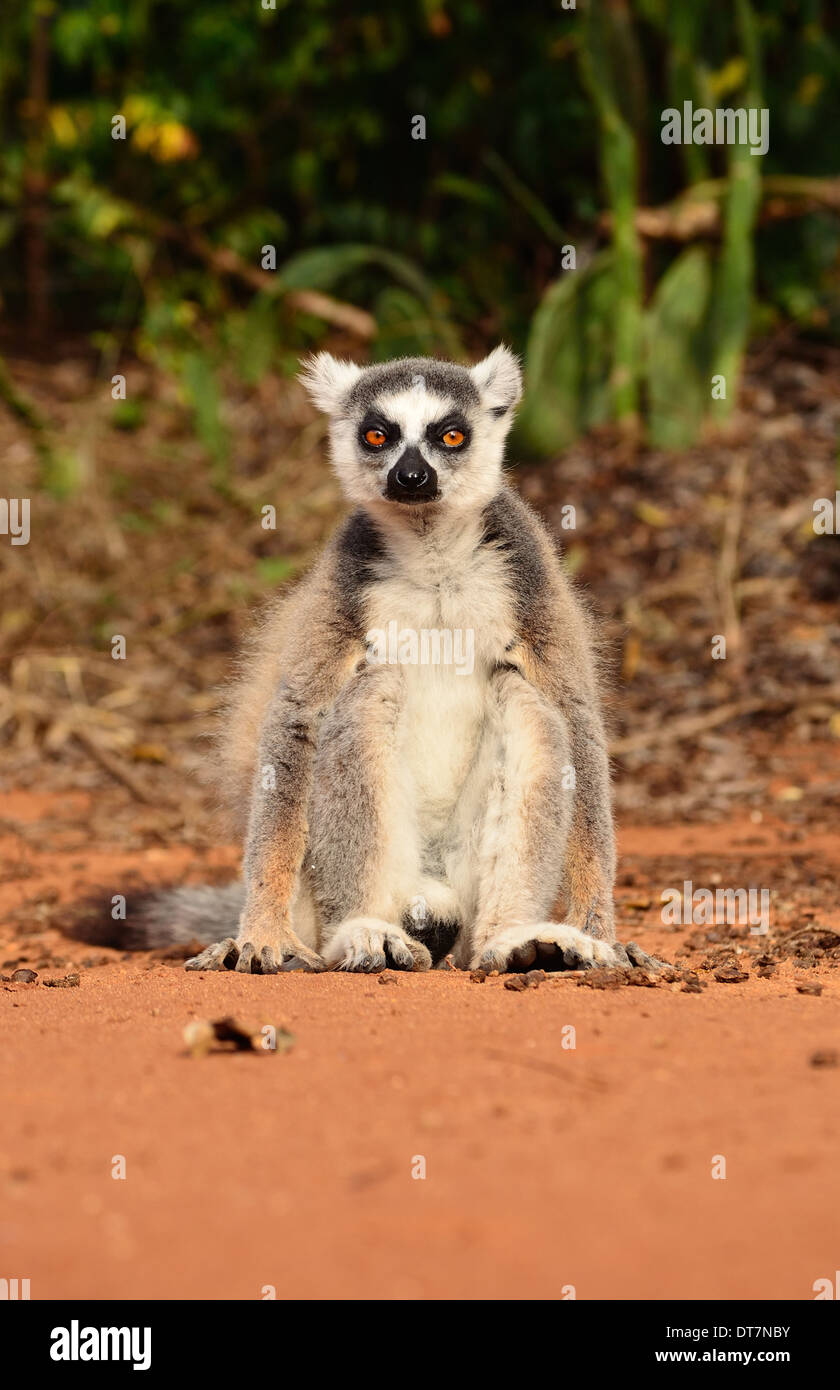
(412, 480)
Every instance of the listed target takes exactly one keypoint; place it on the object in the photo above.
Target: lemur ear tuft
(498, 379)
(327, 380)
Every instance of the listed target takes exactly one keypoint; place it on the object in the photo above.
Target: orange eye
(375, 437)
(452, 438)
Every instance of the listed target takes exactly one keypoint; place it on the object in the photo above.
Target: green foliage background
(291, 126)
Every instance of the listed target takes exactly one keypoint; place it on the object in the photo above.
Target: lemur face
(416, 432)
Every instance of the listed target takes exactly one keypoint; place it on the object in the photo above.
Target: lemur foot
(366, 944)
(244, 959)
(550, 945)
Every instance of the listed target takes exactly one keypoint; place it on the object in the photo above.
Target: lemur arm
(553, 651)
(277, 832)
(320, 647)
(590, 848)
(589, 865)
(275, 842)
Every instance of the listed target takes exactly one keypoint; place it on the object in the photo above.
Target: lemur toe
(247, 964)
(222, 955)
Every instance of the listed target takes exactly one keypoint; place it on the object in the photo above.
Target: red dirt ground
(546, 1167)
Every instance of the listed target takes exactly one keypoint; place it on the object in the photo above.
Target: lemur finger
(297, 963)
(397, 953)
(365, 962)
(573, 959)
(245, 964)
(546, 950)
(309, 960)
(621, 955)
(268, 965)
(421, 956)
(221, 955)
(643, 960)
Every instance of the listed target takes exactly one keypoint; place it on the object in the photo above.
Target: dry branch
(697, 213)
(225, 261)
(693, 724)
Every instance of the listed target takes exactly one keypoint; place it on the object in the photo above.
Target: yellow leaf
(62, 126)
(650, 514)
(810, 88)
(728, 78)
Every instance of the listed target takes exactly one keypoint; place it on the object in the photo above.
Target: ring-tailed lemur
(401, 803)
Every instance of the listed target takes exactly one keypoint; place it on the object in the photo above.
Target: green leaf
(678, 378)
(567, 359)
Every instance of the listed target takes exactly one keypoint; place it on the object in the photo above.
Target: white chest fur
(444, 614)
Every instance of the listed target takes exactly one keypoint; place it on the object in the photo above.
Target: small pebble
(730, 975)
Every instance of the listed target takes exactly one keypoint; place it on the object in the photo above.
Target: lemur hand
(264, 946)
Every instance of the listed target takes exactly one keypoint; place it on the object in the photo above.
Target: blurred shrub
(292, 127)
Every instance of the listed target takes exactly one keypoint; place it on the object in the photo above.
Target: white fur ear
(327, 380)
(498, 379)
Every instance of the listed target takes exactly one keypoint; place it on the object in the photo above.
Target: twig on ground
(692, 724)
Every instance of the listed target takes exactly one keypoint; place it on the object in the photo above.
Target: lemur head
(417, 433)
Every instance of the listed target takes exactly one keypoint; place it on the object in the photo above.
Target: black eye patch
(450, 424)
(376, 433)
